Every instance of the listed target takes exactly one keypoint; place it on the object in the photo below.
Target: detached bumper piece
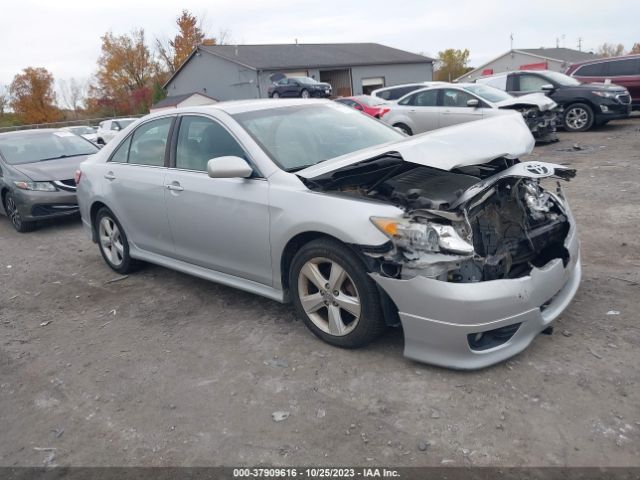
(543, 126)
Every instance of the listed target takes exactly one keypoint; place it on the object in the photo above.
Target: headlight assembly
(36, 186)
(423, 237)
(604, 94)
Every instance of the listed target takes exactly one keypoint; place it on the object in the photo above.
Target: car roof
(242, 106)
(31, 131)
(606, 59)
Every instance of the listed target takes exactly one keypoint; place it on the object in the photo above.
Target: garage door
(370, 84)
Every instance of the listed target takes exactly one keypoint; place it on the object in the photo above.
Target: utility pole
(580, 44)
(511, 38)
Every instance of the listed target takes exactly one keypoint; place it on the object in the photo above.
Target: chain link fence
(66, 123)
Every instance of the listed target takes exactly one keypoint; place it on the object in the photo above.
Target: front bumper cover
(36, 205)
(437, 317)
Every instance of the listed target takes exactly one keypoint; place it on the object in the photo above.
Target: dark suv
(303, 87)
(623, 71)
(584, 104)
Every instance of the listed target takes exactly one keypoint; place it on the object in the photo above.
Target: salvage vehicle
(37, 169)
(301, 87)
(584, 105)
(449, 104)
(373, 106)
(448, 234)
(623, 71)
(108, 129)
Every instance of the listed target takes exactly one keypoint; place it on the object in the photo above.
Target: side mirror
(228, 167)
(547, 87)
(116, 128)
(473, 103)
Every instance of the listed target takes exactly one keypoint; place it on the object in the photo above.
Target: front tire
(578, 117)
(11, 208)
(334, 295)
(113, 242)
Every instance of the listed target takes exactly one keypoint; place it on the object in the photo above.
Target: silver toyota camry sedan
(451, 234)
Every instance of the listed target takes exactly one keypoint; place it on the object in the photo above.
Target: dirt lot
(165, 369)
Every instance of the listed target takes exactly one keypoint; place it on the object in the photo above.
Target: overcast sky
(64, 36)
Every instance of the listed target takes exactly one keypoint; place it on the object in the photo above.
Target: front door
(455, 109)
(217, 223)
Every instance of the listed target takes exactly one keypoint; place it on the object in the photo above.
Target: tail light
(383, 112)
(77, 176)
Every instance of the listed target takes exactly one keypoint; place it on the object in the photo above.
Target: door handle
(110, 176)
(175, 187)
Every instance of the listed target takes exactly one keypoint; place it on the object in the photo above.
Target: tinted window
(149, 141)
(400, 92)
(200, 140)
(594, 70)
(630, 66)
(122, 152)
(385, 94)
(299, 136)
(455, 98)
(36, 147)
(532, 83)
(428, 98)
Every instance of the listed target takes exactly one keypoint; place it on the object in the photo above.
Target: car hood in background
(539, 100)
(50, 170)
(470, 143)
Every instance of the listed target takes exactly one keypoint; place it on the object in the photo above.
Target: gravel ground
(160, 368)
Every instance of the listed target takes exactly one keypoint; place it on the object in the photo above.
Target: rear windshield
(40, 146)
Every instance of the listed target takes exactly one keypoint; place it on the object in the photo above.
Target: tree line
(128, 78)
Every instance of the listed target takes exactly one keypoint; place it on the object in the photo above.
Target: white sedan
(443, 105)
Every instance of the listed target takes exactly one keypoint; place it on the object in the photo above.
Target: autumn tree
(636, 48)
(33, 98)
(610, 50)
(175, 51)
(451, 63)
(72, 94)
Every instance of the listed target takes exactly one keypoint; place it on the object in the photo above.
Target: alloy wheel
(304, 94)
(329, 296)
(12, 212)
(576, 118)
(111, 241)
(275, 95)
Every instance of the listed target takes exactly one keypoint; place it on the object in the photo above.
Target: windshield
(562, 79)
(36, 147)
(306, 80)
(300, 136)
(490, 94)
(81, 130)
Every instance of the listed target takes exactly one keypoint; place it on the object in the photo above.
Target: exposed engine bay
(471, 224)
(543, 124)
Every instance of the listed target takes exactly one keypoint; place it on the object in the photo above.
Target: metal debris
(280, 415)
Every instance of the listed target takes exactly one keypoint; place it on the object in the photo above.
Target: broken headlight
(423, 237)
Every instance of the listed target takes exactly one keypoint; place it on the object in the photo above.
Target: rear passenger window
(594, 70)
(428, 98)
(532, 83)
(629, 66)
(201, 139)
(149, 141)
(384, 94)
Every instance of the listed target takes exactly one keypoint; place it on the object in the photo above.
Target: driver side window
(201, 139)
(532, 83)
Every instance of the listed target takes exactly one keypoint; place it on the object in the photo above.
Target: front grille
(624, 99)
(54, 209)
(68, 185)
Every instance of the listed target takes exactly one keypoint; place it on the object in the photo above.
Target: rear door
(424, 111)
(455, 109)
(134, 185)
(217, 223)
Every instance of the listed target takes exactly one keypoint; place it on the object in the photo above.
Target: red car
(376, 107)
(623, 71)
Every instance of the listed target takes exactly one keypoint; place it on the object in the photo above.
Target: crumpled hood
(50, 170)
(539, 100)
(472, 143)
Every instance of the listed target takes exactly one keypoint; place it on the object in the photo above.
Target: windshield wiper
(64, 155)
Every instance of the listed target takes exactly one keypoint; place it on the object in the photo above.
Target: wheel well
(585, 101)
(93, 212)
(290, 250)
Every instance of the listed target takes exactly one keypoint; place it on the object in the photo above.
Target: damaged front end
(471, 224)
(541, 123)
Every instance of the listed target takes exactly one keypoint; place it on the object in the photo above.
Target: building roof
(313, 55)
(568, 55)
(175, 100)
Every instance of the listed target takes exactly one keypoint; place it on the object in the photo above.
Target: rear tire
(578, 117)
(405, 128)
(305, 94)
(113, 242)
(334, 295)
(275, 95)
(11, 208)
